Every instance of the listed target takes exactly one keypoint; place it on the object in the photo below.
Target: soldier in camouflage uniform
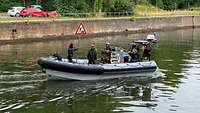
(106, 54)
(92, 54)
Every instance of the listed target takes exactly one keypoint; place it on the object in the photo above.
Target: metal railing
(100, 14)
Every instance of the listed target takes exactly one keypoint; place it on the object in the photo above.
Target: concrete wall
(33, 30)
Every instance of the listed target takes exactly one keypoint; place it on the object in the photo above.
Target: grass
(5, 18)
(151, 11)
(195, 9)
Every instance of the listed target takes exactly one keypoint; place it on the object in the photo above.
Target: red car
(31, 12)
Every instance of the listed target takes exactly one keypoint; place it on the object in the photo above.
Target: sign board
(81, 29)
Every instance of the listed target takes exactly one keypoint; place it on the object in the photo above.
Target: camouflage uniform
(92, 55)
(147, 52)
(141, 52)
(106, 55)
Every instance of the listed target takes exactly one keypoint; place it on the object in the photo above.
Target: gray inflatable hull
(80, 70)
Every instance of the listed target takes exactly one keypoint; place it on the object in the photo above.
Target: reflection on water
(24, 88)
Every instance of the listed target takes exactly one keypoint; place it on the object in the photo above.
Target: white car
(15, 11)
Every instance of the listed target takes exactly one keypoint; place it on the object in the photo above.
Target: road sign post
(81, 30)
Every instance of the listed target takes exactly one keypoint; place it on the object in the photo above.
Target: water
(24, 88)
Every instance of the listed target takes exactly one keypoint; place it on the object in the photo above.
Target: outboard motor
(152, 38)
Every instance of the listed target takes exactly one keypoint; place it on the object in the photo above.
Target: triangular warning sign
(81, 29)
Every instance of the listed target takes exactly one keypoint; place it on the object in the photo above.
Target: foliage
(158, 3)
(118, 6)
(48, 5)
(6, 4)
(88, 6)
(169, 4)
(67, 7)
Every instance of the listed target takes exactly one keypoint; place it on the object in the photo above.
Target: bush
(169, 4)
(71, 7)
(123, 6)
(5, 5)
(158, 3)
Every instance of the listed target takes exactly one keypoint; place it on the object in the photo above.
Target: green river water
(175, 88)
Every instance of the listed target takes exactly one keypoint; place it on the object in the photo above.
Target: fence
(101, 14)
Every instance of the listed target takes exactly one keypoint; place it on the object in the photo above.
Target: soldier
(134, 53)
(147, 52)
(141, 51)
(106, 54)
(71, 51)
(92, 54)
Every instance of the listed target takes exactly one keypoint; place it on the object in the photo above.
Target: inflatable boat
(81, 70)
(121, 66)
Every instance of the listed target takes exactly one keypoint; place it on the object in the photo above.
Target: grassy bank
(151, 11)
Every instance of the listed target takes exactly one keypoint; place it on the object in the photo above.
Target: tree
(72, 6)
(80, 6)
(170, 4)
(157, 3)
(6, 4)
(118, 6)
